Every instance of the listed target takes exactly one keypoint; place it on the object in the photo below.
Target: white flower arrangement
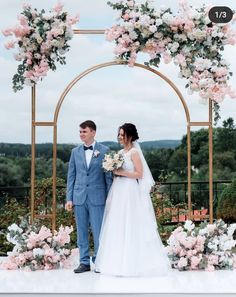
(42, 40)
(208, 247)
(112, 161)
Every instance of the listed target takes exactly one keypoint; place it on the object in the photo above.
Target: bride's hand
(116, 172)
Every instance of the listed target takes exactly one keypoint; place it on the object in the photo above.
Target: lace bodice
(128, 163)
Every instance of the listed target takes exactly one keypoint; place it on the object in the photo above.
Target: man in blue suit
(87, 189)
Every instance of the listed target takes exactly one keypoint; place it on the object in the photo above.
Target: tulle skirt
(129, 242)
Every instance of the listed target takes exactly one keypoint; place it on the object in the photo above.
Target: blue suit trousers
(88, 215)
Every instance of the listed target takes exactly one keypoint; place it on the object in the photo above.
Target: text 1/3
(220, 14)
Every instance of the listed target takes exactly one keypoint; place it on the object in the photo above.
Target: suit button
(87, 185)
(87, 174)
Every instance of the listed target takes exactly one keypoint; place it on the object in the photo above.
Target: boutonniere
(96, 153)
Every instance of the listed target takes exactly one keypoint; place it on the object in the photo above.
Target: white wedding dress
(129, 242)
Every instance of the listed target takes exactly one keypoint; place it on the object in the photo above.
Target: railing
(176, 191)
(21, 194)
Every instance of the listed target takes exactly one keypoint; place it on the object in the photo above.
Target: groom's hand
(69, 205)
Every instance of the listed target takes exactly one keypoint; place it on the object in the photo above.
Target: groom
(87, 189)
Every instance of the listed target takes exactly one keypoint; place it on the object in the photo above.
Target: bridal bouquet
(208, 247)
(36, 248)
(41, 39)
(112, 161)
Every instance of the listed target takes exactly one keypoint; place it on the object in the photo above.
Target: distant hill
(148, 145)
(156, 144)
(63, 150)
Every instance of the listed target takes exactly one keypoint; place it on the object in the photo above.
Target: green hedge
(226, 208)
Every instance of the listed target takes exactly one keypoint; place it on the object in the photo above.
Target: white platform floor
(64, 282)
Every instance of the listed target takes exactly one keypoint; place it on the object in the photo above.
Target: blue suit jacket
(88, 182)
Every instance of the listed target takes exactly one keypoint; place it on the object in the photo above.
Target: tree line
(167, 159)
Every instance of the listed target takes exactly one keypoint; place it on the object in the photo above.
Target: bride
(129, 242)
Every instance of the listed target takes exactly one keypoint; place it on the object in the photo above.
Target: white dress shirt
(89, 154)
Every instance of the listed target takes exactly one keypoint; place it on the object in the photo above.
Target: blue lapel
(82, 155)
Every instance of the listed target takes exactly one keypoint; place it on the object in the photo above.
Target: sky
(110, 96)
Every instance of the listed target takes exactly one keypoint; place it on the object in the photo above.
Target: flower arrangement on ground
(207, 247)
(188, 38)
(36, 248)
(112, 161)
(42, 40)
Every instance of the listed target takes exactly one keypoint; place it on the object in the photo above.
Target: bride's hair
(130, 131)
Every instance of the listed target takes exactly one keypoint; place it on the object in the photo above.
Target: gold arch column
(54, 125)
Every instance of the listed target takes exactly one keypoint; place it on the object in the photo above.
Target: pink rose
(58, 7)
(210, 268)
(182, 263)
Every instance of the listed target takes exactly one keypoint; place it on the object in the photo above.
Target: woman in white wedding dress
(129, 241)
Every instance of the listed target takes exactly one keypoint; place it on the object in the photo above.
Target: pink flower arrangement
(188, 38)
(36, 248)
(208, 247)
(41, 40)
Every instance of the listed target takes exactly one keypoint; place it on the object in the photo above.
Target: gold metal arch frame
(53, 124)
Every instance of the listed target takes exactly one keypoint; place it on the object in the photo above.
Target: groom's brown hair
(89, 124)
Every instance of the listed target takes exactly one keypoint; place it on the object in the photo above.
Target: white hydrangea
(15, 228)
(203, 231)
(68, 33)
(199, 34)
(159, 22)
(189, 225)
(144, 20)
(133, 35)
(38, 252)
(167, 18)
(11, 239)
(202, 64)
(231, 229)
(212, 246)
(173, 46)
(153, 28)
(46, 26)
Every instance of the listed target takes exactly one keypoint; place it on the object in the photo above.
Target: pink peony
(180, 59)
(210, 268)
(167, 58)
(10, 44)
(7, 32)
(213, 259)
(195, 262)
(58, 7)
(8, 264)
(182, 263)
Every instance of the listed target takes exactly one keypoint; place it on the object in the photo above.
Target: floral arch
(189, 38)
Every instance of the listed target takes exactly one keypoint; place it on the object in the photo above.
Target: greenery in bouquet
(41, 39)
(187, 38)
(206, 247)
(112, 160)
(37, 248)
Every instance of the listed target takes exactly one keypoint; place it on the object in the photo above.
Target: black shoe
(96, 271)
(82, 268)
